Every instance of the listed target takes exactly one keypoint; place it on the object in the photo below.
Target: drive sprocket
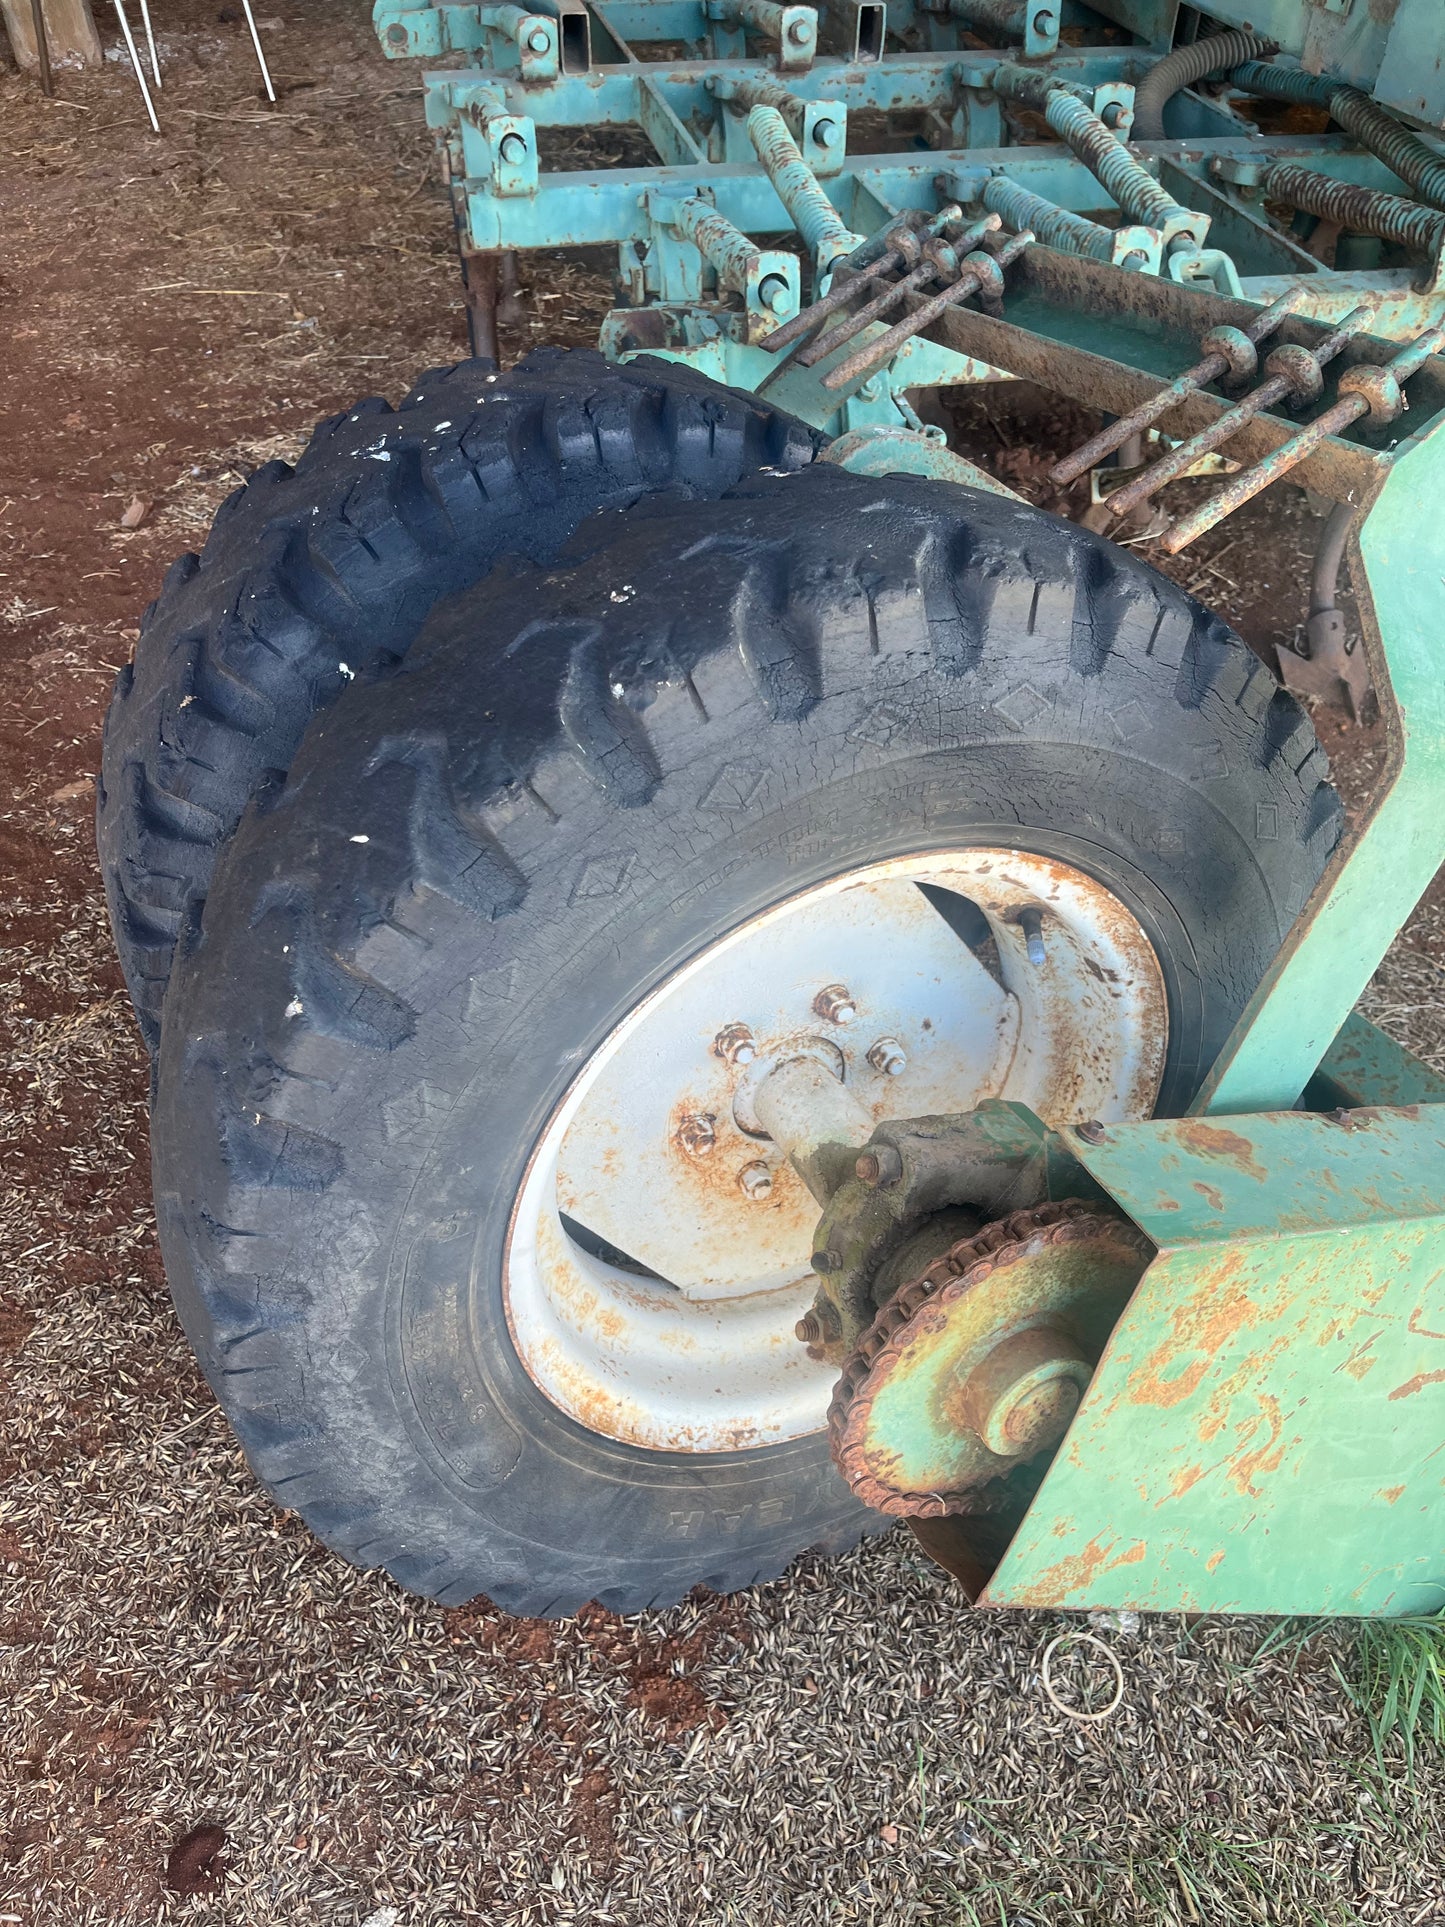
(974, 1370)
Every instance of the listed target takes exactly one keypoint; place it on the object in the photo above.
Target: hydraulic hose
(1214, 55)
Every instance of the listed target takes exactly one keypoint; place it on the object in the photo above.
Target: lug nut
(735, 1044)
(834, 1004)
(881, 1166)
(887, 1056)
(755, 1181)
(696, 1135)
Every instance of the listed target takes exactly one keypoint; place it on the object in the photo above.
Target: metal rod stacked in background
(139, 70)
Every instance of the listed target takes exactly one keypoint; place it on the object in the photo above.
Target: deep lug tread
(320, 575)
(445, 779)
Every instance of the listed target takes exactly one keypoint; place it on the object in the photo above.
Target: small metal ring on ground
(1076, 1712)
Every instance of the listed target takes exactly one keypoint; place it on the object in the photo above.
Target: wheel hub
(660, 1254)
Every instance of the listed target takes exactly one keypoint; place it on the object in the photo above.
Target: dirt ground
(845, 1745)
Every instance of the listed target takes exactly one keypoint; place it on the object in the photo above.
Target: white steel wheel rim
(1062, 1006)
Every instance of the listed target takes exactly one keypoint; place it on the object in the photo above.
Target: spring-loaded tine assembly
(1291, 371)
(941, 257)
(1227, 351)
(879, 254)
(1364, 390)
(979, 273)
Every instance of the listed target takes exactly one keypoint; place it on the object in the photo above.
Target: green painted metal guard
(1266, 1430)
(1382, 871)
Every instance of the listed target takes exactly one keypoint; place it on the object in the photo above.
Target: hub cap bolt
(887, 1056)
(834, 1004)
(696, 1135)
(734, 1044)
(755, 1181)
(881, 1166)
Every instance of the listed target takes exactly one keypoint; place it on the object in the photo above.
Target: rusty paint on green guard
(1266, 1430)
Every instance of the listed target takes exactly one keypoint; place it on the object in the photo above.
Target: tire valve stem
(1031, 922)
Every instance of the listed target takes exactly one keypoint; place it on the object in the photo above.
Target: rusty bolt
(1031, 922)
(882, 1165)
(734, 1044)
(755, 1181)
(818, 1325)
(826, 1260)
(834, 1003)
(1092, 1132)
(696, 1135)
(887, 1056)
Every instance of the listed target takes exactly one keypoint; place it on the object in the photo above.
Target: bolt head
(513, 149)
(735, 1044)
(834, 1004)
(882, 1165)
(800, 33)
(1092, 1131)
(755, 1181)
(888, 1058)
(696, 1135)
(826, 1261)
(396, 34)
(539, 40)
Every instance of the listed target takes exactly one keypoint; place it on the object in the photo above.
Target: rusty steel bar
(1225, 358)
(941, 262)
(1402, 151)
(1363, 210)
(1291, 371)
(981, 272)
(874, 257)
(1104, 154)
(1371, 391)
(822, 227)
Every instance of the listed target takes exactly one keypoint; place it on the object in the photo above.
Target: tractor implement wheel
(319, 576)
(466, 1193)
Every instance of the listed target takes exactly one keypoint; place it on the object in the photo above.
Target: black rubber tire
(472, 873)
(324, 573)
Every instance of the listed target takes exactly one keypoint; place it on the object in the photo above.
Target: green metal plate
(1266, 1430)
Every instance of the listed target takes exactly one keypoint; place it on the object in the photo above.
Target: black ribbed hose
(1214, 55)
